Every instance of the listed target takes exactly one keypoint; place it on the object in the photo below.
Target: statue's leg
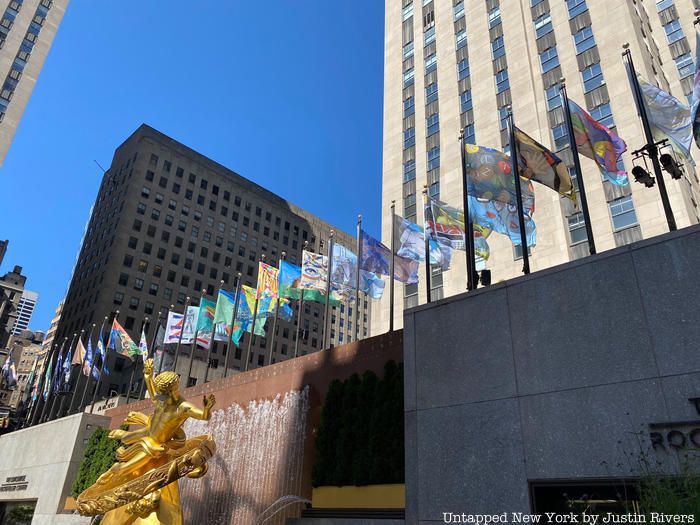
(139, 460)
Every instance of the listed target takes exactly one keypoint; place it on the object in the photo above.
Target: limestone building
(457, 64)
(27, 30)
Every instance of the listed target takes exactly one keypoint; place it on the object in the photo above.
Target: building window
(592, 77)
(407, 11)
(432, 124)
(409, 137)
(408, 77)
(543, 25)
(577, 229)
(685, 65)
(549, 59)
(459, 10)
(622, 213)
(469, 134)
(494, 17)
(674, 31)
(518, 251)
(429, 35)
(430, 64)
(463, 69)
(603, 114)
(433, 158)
(498, 48)
(408, 50)
(561, 137)
(465, 101)
(409, 107)
(584, 40)
(503, 117)
(502, 81)
(553, 98)
(576, 7)
(461, 39)
(409, 170)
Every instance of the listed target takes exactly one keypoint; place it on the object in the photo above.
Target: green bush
(670, 494)
(100, 454)
(360, 435)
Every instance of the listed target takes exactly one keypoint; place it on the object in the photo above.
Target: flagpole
(87, 379)
(179, 339)
(153, 349)
(651, 148)
(427, 242)
(162, 351)
(518, 191)
(577, 166)
(56, 414)
(233, 321)
(194, 342)
(357, 277)
(105, 349)
(61, 376)
(80, 372)
(326, 315)
(468, 224)
(391, 266)
(48, 364)
(298, 327)
(134, 364)
(92, 366)
(211, 341)
(255, 318)
(277, 310)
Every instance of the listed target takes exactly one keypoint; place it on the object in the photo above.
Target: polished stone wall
(555, 375)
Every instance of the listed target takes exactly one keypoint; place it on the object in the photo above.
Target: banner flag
(223, 315)
(597, 142)
(120, 341)
(205, 322)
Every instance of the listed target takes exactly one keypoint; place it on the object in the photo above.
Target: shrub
(100, 454)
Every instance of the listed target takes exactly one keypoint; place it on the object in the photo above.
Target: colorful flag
(268, 281)
(87, 363)
(502, 218)
(372, 284)
(102, 352)
(190, 324)
(223, 315)
(244, 316)
(57, 371)
(79, 355)
(314, 271)
(490, 176)
(120, 341)
(597, 142)
(410, 243)
(290, 285)
(286, 312)
(143, 345)
(695, 107)
(444, 231)
(158, 351)
(669, 118)
(205, 322)
(535, 162)
(30, 389)
(344, 274)
(67, 364)
(173, 328)
(376, 258)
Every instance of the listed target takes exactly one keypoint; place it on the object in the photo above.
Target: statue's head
(167, 383)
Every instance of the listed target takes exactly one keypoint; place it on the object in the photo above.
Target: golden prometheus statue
(141, 487)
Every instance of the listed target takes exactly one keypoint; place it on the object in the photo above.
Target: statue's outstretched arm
(204, 413)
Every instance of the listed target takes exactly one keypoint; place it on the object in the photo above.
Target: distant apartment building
(11, 290)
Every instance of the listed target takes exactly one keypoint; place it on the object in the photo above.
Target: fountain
(259, 459)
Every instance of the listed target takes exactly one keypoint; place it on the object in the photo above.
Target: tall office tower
(27, 30)
(457, 64)
(25, 309)
(169, 222)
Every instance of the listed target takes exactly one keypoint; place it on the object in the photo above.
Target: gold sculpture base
(153, 497)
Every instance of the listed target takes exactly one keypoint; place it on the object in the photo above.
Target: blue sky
(288, 94)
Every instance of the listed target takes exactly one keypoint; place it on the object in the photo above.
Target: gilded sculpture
(140, 488)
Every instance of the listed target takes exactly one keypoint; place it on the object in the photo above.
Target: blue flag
(696, 92)
(102, 353)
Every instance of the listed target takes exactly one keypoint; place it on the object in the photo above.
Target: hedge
(360, 435)
(100, 454)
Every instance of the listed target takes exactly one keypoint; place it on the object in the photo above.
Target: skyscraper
(27, 30)
(25, 309)
(11, 289)
(3, 249)
(169, 222)
(457, 64)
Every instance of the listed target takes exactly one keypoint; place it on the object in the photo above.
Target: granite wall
(565, 374)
